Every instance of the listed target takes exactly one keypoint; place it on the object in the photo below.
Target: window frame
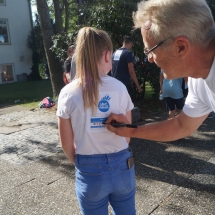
(3, 3)
(1, 71)
(8, 33)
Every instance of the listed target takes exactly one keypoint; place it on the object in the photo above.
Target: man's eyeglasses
(148, 53)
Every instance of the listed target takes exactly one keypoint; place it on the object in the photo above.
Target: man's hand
(122, 131)
(139, 89)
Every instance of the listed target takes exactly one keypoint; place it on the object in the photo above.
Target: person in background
(179, 36)
(172, 92)
(66, 73)
(66, 66)
(185, 87)
(103, 160)
(73, 68)
(122, 65)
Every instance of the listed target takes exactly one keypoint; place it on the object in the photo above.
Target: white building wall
(17, 53)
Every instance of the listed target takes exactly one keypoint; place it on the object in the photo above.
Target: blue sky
(33, 9)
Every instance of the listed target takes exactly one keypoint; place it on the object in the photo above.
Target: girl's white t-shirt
(90, 135)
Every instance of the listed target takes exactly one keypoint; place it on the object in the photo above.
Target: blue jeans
(104, 178)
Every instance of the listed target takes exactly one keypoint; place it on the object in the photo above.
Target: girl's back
(90, 135)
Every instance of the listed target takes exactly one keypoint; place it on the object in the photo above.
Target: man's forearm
(168, 130)
(133, 75)
(159, 131)
(134, 78)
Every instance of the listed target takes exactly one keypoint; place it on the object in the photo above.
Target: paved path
(36, 178)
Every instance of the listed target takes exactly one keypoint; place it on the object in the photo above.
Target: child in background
(104, 171)
(67, 64)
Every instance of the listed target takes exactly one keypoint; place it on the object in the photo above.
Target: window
(2, 2)
(4, 32)
(6, 73)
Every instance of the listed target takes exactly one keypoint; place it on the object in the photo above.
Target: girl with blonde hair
(103, 161)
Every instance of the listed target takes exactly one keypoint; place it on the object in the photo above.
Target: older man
(179, 36)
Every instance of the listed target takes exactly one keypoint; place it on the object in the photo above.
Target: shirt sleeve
(194, 105)
(62, 109)
(129, 57)
(126, 104)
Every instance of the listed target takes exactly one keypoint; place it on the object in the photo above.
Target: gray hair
(173, 18)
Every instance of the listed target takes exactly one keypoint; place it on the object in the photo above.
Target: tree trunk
(54, 64)
(58, 17)
(80, 2)
(66, 16)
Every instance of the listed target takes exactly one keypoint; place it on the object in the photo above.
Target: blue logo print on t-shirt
(103, 105)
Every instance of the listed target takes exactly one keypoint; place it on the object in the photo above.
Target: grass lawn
(30, 93)
(150, 103)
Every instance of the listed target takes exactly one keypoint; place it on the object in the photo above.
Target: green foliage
(153, 78)
(211, 4)
(61, 42)
(35, 43)
(115, 17)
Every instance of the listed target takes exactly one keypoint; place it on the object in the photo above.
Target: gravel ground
(36, 178)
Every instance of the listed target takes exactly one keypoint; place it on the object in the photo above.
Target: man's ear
(182, 45)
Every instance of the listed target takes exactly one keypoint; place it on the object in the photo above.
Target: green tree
(35, 43)
(54, 64)
(59, 11)
(115, 16)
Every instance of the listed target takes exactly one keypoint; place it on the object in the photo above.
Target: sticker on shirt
(97, 122)
(117, 54)
(104, 105)
(108, 103)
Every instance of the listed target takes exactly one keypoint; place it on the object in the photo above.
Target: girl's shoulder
(113, 83)
(71, 88)
(110, 79)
